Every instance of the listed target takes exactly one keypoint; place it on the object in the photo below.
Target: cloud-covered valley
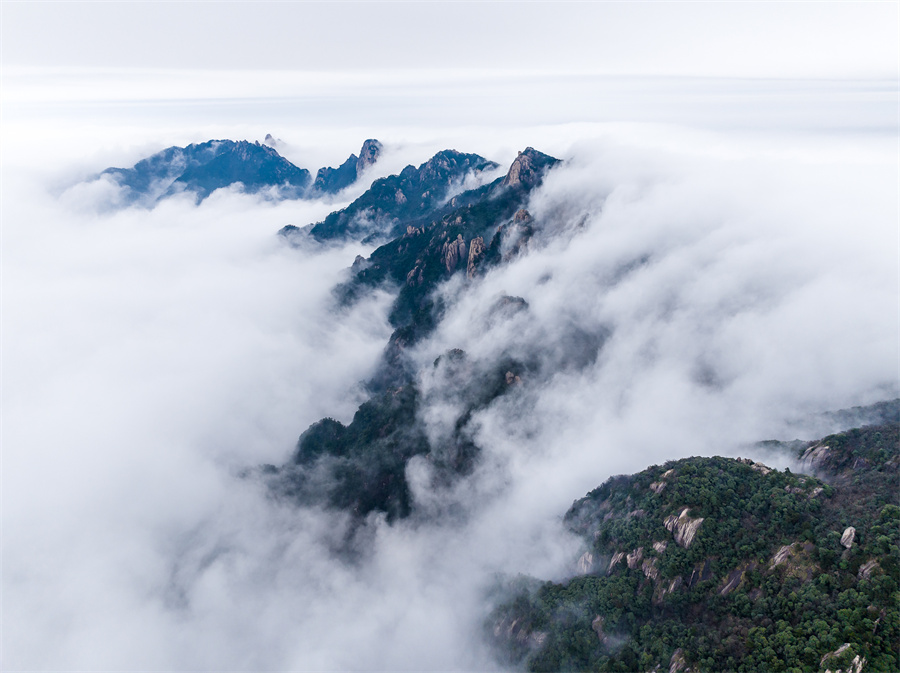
(688, 293)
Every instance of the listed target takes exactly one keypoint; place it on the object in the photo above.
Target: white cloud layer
(744, 280)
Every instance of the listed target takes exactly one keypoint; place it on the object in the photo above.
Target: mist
(726, 285)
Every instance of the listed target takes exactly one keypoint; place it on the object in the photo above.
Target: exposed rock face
(781, 555)
(735, 577)
(648, 567)
(522, 216)
(452, 252)
(359, 264)
(683, 527)
(814, 457)
(597, 627)
(512, 378)
(517, 631)
(660, 547)
(618, 556)
(701, 573)
(848, 537)
(368, 155)
(476, 254)
(657, 487)
(867, 568)
(396, 201)
(331, 180)
(759, 467)
(634, 558)
(663, 588)
(854, 665)
(585, 563)
(677, 662)
(527, 168)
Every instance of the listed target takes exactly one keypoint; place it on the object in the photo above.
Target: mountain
(204, 167)
(721, 564)
(392, 202)
(331, 180)
(361, 467)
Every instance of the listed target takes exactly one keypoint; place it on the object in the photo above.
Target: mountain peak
(368, 155)
(528, 168)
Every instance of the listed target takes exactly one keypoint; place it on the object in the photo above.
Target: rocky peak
(683, 527)
(368, 155)
(527, 169)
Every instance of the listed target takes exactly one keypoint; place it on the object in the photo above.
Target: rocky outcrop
(618, 556)
(597, 627)
(701, 573)
(657, 487)
(840, 661)
(735, 577)
(634, 558)
(585, 563)
(512, 379)
(331, 180)
(781, 555)
(648, 567)
(368, 155)
(476, 254)
(848, 536)
(683, 527)
(516, 630)
(660, 547)
(452, 252)
(678, 663)
(814, 457)
(527, 169)
(867, 569)
(759, 467)
(663, 588)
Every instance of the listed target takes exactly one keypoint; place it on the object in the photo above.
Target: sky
(150, 356)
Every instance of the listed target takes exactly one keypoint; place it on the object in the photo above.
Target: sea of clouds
(738, 280)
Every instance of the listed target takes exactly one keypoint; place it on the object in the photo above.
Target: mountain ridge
(201, 168)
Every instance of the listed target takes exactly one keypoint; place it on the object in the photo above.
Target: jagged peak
(368, 154)
(528, 168)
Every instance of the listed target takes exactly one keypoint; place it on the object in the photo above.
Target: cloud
(733, 284)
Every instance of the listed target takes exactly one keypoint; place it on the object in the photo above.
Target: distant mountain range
(202, 168)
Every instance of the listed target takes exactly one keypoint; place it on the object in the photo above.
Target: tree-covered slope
(361, 467)
(391, 201)
(719, 564)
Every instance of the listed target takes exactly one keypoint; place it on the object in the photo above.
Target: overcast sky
(746, 39)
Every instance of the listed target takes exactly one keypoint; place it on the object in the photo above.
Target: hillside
(361, 467)
(719, 564)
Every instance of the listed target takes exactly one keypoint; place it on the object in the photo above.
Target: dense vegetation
(765, 584)
(361, 468)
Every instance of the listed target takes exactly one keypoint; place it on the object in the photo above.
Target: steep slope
(393, 200)
(361, 467)
(331, 180)
(255, 166)
(714, 564)
(204, 167)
